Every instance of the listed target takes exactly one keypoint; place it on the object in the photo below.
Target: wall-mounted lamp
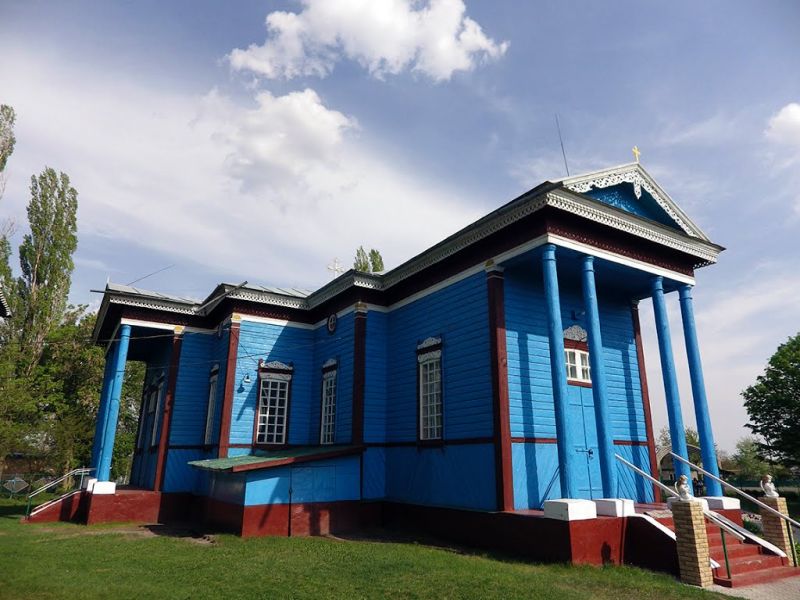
(246, 378)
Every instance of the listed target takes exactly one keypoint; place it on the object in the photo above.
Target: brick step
(735, 551)
(745, 564)
(753, 577)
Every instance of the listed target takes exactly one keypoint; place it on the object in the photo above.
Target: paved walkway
(783, 589)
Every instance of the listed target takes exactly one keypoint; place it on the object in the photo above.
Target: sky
(259, 140)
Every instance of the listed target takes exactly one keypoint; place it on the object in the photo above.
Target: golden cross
(636, 153)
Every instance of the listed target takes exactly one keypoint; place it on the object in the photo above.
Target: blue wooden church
(501, 368)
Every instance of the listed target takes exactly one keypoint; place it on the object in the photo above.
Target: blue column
(676, 430)
(558, 371)
(707, 449)
(104, 466)
(605, 439)
(102, 411)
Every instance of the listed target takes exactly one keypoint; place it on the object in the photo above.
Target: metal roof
(274, 458)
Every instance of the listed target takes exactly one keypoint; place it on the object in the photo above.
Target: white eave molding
(568, 198)
(635, 174)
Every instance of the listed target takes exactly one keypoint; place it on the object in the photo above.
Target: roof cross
(636, 153)
(336, 268)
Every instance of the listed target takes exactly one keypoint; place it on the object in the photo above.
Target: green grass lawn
(125, 561)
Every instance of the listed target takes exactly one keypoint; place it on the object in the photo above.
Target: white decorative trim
(614, 218)
(330, 364)
(279, 322)
(635, 174)
(421, 358)
(428, 342)
(152, 303)
(273, 375)
(616, 258)
(269, 298)
(576, 333)
(569, 199)
(165, 326)
(275, 364)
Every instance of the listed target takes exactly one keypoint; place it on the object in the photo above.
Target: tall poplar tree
(45, 258)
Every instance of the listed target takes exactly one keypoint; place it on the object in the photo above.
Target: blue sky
(196, 138)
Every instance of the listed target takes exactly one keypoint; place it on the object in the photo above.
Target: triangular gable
(632, 189)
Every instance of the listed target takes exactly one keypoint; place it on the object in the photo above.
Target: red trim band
(499, 365)
(648, 417)
(166, 419)
(227, 399)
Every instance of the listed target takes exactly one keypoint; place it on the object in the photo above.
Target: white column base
(88, 484)
(615, 507)
(570, 509)
(722, 502)
(104, 487)
(674, 500)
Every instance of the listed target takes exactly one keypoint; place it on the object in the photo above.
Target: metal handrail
(708, 514)
(738, 491)
(82, 471)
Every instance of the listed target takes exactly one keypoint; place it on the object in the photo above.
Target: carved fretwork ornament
(576, 333)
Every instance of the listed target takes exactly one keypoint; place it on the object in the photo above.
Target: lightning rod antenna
(561, 140)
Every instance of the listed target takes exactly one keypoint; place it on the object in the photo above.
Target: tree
(368, 263)
(45, 257)
(361, 261)
(773, 404)
(748, 461)
(7, 141)
(38, 301)
(665, 440)
(375, 261)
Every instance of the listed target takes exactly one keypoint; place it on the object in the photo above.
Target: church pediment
(631, 189)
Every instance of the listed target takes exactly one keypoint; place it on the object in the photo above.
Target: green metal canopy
(261, 459)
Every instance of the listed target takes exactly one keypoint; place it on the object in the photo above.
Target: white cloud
(783, 133)
(784, 126)
(383, 36)
(270, 192)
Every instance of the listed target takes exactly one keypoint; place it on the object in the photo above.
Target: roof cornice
(635, 174)
(565, 196)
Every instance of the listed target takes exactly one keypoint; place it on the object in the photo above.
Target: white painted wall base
(615, 507)
(104, 487)
(722, 502)
(88, 484)
(570, 509)
(674, 499)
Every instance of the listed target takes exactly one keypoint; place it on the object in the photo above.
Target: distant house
(5, 310)
(498, 369)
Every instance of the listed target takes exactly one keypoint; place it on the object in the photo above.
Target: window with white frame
(273, 403)
(327, 428)
(577, 365)
(429, 360)
(212, 405)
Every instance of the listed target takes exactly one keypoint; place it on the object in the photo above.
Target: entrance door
(586, 467)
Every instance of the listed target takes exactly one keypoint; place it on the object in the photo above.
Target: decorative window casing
(577, 365)
(211, 408)
(327, 426)
(429, 373)
(274, 395)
